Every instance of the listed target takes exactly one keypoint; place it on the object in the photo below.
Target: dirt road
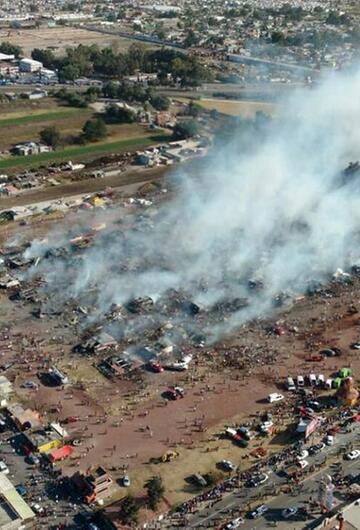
(132, 176)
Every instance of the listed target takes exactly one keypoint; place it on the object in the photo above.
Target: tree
(74, 99)
(129, 510)
(155, 490)
(116, 114)
(46, 57)
(110, 90)
(160, 102)
(51, 136)
(94, 130)
(106, 62)
(135, 57)
(10, 49)
(193, 109)
(277, 37)
(69, 72)
(185, 130)
(191, 39)
(336, 19)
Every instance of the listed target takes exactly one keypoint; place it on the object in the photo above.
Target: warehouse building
(14, 511)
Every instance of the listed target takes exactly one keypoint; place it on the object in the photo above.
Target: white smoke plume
(269, 206)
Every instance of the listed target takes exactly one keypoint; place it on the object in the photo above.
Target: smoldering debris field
(226, 275)
(271, 214)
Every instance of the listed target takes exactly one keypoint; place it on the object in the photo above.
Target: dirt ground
(126, 424)
(247, 109)
(59, 38)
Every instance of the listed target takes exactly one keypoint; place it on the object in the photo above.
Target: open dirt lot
(59, 38)
(247, 109)
(237, 108)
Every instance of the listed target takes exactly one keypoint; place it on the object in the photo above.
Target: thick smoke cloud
(269, 206)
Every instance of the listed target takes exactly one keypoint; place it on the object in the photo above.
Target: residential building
(30, 148)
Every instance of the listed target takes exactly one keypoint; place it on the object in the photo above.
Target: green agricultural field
(82, 152)
(40, 116)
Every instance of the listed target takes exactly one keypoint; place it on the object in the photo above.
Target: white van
(275, 397)
(328, 384)
(320, 381)
(300, 381)
(290, 385)
(312, 379)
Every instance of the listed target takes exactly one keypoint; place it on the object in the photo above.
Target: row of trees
(125, 91)
(135, 93)
(319, 39)
(105, 62)
(88, 60)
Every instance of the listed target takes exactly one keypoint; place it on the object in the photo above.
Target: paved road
(258, 93)
(222, 511)
(240, 499)
(253, 92)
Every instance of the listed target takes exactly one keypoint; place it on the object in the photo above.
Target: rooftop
(13, 506)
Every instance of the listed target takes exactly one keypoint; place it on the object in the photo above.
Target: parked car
(235, 523)
(302, 455)
(71, 419)
(257, 480)
(20, 488)
(155, 366)
(228, 465)
(244, 432)
(126, 481)
(33, 459)
(258, 512)
(317, 448)
(314, 405)
(303, 464)
(353, 455)
(30, 384)
(37, 508)
(272, 398)
(355, 346)
(289, 512)
(314, 359)
(329, 439)
(199, 480)
(2, 422)
(327, 352)
(175, 393)
(3, 468)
